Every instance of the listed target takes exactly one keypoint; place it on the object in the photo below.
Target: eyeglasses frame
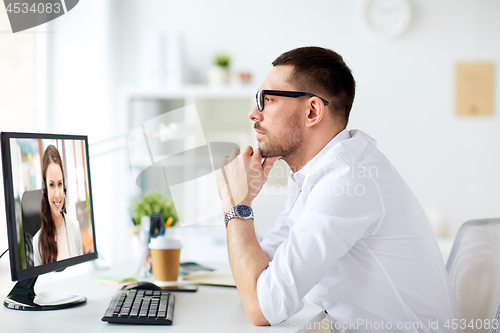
(283, 93)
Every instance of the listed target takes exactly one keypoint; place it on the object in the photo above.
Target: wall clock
(386, 18)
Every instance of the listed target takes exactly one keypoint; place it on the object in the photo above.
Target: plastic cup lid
(163, 243)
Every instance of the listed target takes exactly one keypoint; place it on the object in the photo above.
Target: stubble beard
(284, 142)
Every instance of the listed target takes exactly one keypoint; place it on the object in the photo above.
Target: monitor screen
(48, 201)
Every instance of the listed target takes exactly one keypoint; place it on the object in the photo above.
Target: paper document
(220, 277)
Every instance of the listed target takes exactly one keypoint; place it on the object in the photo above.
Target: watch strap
(229, 215)
(232, 213)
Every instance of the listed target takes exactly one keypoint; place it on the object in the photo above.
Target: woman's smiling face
(55, 188)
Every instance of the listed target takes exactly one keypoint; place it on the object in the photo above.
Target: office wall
(17, 97)
(405, 86)
(81, 100)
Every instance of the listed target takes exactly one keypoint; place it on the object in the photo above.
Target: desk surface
(211, 309)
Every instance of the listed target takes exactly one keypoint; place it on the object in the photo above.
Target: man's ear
(315, 112)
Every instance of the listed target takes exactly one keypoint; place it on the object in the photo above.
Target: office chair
(32, 221)
(474, 271)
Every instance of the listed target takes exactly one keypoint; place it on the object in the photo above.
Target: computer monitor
(50, 219)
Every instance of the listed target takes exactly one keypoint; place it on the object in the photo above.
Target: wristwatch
(242, 211)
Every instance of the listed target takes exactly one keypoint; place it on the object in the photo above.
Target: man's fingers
(268, 164)
(248, 151)
(235, 152)
(227, 159)
(257, 154)
(256, 160)
(223, 161)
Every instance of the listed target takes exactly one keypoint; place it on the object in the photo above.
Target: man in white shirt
(353, 238)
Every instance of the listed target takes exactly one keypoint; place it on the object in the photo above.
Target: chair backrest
(31, 211)
(474, 271)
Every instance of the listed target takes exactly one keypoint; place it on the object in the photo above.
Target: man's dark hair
(322, 72)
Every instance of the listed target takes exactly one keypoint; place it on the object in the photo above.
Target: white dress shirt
(354, 240)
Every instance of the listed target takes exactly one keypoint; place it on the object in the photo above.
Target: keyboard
(143, 307)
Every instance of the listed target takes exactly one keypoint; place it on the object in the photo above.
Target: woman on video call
(59, 236)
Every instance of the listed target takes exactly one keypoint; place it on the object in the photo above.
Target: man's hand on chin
(242, 175)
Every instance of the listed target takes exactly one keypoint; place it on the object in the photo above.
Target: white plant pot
(218, 76)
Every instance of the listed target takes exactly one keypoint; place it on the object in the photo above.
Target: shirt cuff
(273, 312)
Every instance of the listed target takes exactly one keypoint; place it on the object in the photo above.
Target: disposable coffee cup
(165, 254)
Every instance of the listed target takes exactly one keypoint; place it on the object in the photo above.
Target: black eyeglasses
(294, 94)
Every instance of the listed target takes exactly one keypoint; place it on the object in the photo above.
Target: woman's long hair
(47, 245)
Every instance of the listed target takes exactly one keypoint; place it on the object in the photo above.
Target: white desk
(211, 309)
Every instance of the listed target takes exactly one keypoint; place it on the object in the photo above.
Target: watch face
(243, 211)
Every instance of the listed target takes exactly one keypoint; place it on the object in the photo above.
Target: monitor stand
(23, 297)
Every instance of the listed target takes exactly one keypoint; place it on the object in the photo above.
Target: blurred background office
(109, 65)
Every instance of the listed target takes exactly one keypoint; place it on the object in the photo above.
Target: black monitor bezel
(31, 272)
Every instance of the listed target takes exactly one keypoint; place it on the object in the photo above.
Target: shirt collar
(299, 176)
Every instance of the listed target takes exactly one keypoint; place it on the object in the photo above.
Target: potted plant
(219, 73)
(152, 202)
